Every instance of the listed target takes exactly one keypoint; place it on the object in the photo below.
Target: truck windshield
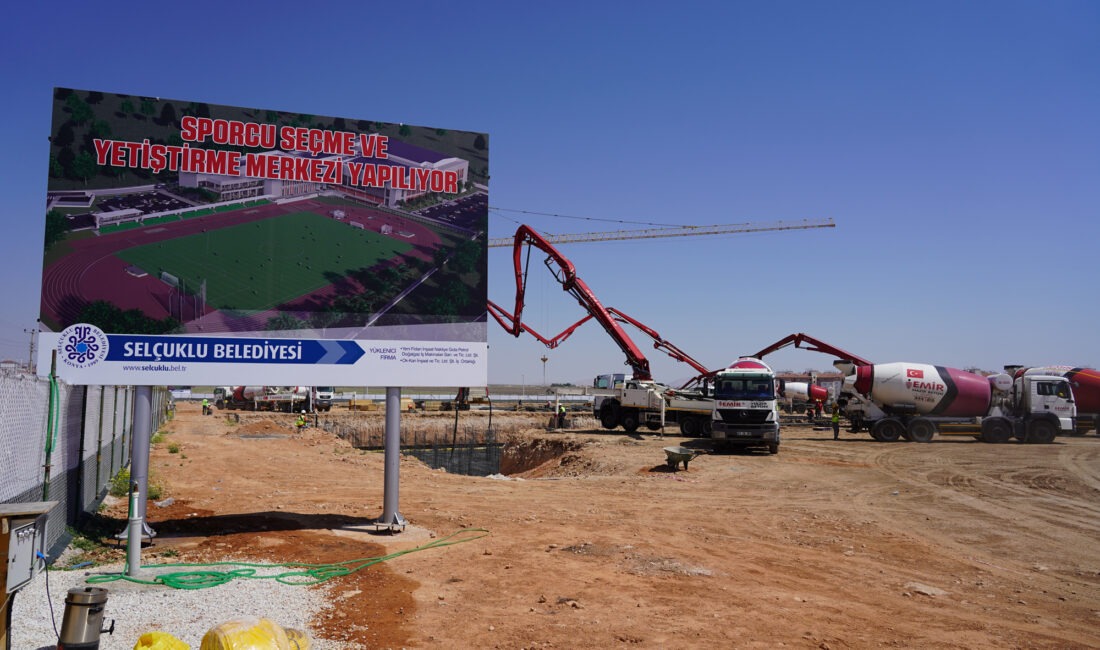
(324, 389)
(750, 387)
(1058, 389)
(608, 381)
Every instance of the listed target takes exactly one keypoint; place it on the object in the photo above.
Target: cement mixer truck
(1085, 383)
(915, 401)
(801, 391)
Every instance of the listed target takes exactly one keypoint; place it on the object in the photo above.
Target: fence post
(99, 444)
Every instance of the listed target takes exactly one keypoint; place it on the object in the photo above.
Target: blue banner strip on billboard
(127, 347)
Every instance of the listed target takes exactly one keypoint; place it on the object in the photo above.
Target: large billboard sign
(185, 240)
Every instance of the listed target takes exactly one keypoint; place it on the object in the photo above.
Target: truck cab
(745, 406)
(321, 397)
(1044, 396)
(609, 381)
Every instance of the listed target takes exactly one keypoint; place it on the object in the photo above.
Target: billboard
(178, 227)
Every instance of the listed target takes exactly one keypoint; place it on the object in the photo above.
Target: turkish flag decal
(914, 373)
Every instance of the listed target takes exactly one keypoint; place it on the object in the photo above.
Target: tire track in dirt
(1011, 528)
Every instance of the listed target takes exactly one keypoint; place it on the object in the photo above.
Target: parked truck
(630, 403)
(745, 410)
(734, 407)
(915, 401)
(268, 398)
(803, 392)
(1085, 383)
(221, 393)
(320, 398)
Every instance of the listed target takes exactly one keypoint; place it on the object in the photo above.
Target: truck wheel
(653, 426)
(609, 416)
(689, 427)
(921, 430)
(773, 447)
(630, 421)
(706, 426)
(887, 430)
(1041, 432)
(996, 431)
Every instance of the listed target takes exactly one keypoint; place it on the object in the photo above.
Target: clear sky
(955, 144)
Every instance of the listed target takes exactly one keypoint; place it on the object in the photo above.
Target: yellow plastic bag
(246, 634)
(159, 641)
(298, 637)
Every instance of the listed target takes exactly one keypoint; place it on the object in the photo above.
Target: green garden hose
(301, 574)
(53, 415)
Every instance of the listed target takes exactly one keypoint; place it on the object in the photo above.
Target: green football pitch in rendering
(260, 265)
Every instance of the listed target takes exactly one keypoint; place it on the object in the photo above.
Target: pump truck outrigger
(639, 400)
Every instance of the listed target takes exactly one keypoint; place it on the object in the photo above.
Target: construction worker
(836, 422)
(205, 406)
(561, 416)
(301, 423)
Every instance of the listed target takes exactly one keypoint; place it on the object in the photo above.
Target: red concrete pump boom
(813, 345)
(608, 317)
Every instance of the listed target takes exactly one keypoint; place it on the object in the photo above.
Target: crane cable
(302, 574)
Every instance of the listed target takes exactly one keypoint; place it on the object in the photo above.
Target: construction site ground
(597, 543)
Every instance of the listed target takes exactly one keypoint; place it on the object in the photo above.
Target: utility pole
(30, 359)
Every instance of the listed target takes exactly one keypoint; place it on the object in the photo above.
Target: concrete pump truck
(743, 413)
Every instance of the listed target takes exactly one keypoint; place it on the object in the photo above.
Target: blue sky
(955, 144)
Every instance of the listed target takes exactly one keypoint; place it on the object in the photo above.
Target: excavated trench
(524, 455)
(515, 457)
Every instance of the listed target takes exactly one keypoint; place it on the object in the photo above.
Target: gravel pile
(187, 614)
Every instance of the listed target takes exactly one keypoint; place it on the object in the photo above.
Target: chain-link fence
(73, 461)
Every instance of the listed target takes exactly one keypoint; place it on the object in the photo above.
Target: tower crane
(678, 231)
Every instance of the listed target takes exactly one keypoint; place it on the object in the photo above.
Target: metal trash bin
(83, 619)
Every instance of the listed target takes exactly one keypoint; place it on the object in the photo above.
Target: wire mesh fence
(73, 461)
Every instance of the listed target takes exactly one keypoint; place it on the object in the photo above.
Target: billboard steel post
(390, 515)
(139, 476)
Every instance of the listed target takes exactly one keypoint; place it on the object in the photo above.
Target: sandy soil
(830, 544)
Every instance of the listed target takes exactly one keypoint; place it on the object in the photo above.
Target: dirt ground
(829, 544)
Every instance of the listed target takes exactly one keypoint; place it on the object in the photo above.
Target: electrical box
(22, 538)
(28, 537)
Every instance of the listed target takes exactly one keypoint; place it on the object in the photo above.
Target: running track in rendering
(92, 271)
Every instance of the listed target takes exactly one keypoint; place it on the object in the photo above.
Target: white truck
(630, 403)
(737, 407)
(915, 401)
(745, 406)
(321, 398)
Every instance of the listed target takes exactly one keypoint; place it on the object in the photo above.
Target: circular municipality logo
(82, 346)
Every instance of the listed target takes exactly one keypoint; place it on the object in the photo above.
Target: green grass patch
(120, 485)
(260, 265)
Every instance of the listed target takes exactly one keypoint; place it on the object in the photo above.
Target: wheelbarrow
(677, 455)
